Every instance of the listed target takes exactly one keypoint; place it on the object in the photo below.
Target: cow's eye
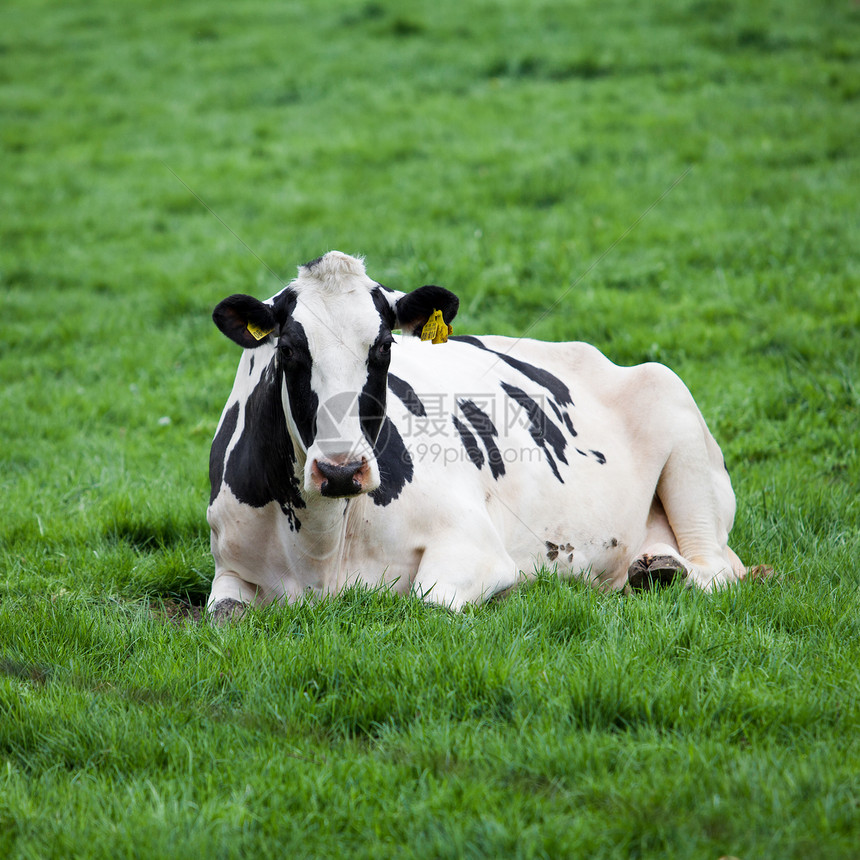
(286, 351)
(382, 352)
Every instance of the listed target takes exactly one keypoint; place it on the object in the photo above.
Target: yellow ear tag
(258, 333)
(436, 330)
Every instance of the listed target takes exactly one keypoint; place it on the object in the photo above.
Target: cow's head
(330, 330)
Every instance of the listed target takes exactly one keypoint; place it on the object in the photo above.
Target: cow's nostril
(336, 470)
(340, 479)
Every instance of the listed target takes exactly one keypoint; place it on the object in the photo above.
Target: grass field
(675, 180)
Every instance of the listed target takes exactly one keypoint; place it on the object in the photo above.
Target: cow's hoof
(649, 571)
(226, 610)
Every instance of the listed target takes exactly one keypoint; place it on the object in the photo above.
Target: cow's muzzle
(336, 480)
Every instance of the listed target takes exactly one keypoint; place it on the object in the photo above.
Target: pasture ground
(690, 167)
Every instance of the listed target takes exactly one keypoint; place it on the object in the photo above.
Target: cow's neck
(323, 524)
(321, 542)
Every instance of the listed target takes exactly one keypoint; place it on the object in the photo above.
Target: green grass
(676, 180)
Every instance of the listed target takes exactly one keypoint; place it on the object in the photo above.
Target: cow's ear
(415, 308)
(245, 320)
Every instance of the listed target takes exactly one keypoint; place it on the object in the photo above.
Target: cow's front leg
(226, 610)
(461, 574)
(230, 597)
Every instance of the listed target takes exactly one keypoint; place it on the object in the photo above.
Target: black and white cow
(348, 454)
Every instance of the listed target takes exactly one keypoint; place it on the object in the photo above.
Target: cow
(452, 467)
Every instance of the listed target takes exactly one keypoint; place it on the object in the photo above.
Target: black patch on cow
(470, 443)
(415, 308)
(569, 424)
(251, 369)
(373, 396)
(312, 263)
(485, 428)
(294, 359)
(383, 306)
(541, 428)
(383, 287)
(219, 449)
(598, 456)
(395, 464)
(536, 374)
(284, 304)
(563, 417)
(260, 467)
(406, 393)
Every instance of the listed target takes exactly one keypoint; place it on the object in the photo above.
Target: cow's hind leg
(696, 495)
(658, 562)
(693, 506)
(648, 571)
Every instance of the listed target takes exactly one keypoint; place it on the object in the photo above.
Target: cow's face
(330, 331)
